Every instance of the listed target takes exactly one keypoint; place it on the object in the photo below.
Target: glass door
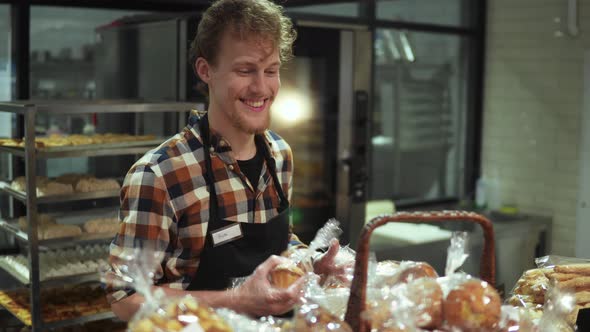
(305, 114)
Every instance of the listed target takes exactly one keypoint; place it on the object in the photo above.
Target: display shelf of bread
(570, 274)
(84, 262)
(56, 142)
(51, 233)
(66, 184)
(110, 147)
(57, 304)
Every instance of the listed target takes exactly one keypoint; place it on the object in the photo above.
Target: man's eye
(244, 71)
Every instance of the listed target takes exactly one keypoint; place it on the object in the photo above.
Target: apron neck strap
(210, 178)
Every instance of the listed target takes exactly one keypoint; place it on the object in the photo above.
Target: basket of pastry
(566, 273)
(57, 304)
(409, 285)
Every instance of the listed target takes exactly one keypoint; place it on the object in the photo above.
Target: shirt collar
(219, 145)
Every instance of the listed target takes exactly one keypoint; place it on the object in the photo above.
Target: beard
(240, 121)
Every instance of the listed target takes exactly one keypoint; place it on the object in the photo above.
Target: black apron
(238, 258)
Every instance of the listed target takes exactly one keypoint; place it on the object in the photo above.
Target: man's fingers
(333, 250)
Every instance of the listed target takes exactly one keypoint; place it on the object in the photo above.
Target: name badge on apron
(226, 234)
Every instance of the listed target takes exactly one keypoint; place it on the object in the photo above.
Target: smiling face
(243, 82)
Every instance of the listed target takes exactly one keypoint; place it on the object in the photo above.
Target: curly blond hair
(247, 18)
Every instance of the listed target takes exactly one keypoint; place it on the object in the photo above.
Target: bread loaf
(93, 184)
(42, 220)
(57, 231)
(102, 225)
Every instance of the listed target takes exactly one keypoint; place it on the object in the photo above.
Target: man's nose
(259, 83)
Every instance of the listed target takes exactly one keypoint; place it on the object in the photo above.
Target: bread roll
(20, 183)
(416, 270)
(72, 178)
(54, 188)
(93, 184)
(102, 225)
(42, 220)
(473, 306)
(57, 231)
(427, 296)
(284, 275)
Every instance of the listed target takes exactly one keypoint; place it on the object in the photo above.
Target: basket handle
(358, 289)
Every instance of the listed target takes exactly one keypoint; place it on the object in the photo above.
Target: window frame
(20, 16)
(474, 117)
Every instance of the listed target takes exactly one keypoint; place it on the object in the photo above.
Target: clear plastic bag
(159, 312)
(179, 314)
(334, 300)
(345, 258)
(312, 317)
(553, 260)
(243, 323)
(395, 309)
(470, 304)
(559, 310)
(457, 252)
(304, 257)
(516, 319)
(531, 291)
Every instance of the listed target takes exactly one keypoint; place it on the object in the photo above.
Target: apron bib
(238, 258)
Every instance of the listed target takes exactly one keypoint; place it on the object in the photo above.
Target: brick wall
(532, 108)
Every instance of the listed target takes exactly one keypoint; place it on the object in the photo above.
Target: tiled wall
(532, 108)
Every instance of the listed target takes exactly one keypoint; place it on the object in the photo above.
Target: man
(214, 198)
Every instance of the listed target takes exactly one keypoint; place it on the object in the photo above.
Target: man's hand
(326, 265)
(257, 297)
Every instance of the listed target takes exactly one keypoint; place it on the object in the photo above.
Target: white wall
(532, 109)
(583, 215)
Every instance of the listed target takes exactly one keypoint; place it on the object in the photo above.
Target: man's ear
(202, 68)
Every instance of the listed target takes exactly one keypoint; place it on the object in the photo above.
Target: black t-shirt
(252, 168)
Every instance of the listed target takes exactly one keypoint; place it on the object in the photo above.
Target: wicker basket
(358, 290)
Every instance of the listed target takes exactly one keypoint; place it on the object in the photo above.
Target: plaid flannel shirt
(165, 202)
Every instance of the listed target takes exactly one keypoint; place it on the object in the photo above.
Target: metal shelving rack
(29, 110)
